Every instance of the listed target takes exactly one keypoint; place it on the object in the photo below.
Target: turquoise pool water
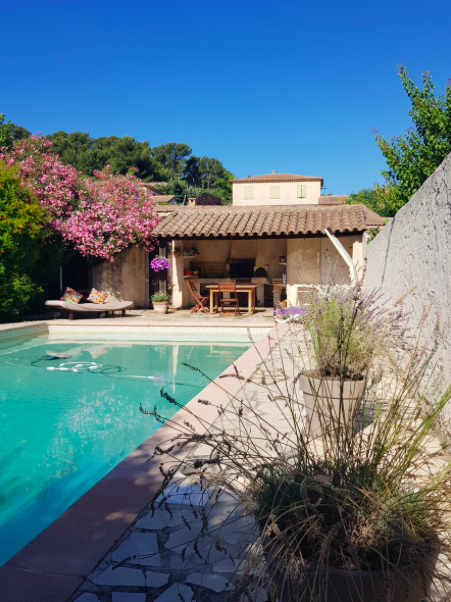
(67, 421)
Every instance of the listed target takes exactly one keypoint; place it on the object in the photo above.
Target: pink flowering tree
(113, 213)
(56, 185)
(98, 216)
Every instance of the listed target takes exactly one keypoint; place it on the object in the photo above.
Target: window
(275, 192)
(248, 192)
(302, 191)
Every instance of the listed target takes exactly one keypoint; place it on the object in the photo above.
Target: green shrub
(160, 296)
(26, 262)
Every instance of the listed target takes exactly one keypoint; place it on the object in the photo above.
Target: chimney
(273, 171)
(191, 202)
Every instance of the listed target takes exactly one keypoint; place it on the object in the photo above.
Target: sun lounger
(83, 308)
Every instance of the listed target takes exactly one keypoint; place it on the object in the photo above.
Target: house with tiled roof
(161, 198)
(274, 229)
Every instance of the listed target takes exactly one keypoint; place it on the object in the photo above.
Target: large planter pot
(324, 406)
(160, 307)
(337, 585)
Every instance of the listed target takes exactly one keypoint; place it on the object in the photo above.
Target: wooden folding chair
(200, 301)
(230, 303)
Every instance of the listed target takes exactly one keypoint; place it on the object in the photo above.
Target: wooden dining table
(240, 288)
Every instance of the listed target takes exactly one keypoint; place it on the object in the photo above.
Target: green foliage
(176, 187)
(192, 172)
(123, 155)
(6, 140)
(25, 263)
(17, 132)
(172, 156)
(185, 174)
(160, 296)
(413, 158)
(75, 149)
(370, 198)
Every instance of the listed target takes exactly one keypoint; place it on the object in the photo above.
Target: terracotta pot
(322, 402)
(160, 307)
(337, 585)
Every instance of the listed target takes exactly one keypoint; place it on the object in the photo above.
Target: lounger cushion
(96, 296)
(71, 295)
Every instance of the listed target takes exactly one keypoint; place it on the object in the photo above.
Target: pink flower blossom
(99, 216)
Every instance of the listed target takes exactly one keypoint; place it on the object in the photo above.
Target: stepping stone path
(127, 597)
(215, 582)
(157, 559)
(87, 598)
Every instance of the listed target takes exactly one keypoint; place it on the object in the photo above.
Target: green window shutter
(302, 191)
(275, 192)
(248, 192)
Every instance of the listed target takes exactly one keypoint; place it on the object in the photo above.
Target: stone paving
(182, 317)
(160, 562)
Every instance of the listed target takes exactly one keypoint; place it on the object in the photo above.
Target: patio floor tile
(120, 576)
(176, 593)
(127, 597)
(142, 545)
(156, 579)
(217, 583)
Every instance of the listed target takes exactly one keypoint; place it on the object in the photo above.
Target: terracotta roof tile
(179, 221)
(277, 177)
(163, 198)
(334, 199)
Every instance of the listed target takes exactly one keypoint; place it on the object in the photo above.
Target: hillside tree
(412, 158)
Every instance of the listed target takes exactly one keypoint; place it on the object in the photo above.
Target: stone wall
(414, 250)
(125, 279)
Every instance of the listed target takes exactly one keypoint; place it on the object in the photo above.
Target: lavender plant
(358, 513)
(348, 328)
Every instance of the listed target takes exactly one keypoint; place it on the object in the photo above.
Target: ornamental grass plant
(362, 511)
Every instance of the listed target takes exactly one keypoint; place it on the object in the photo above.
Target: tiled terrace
(181, 317)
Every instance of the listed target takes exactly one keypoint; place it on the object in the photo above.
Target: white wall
(288, 193)
(334, 269)
(414, 250)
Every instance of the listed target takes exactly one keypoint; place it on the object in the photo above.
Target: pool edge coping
(50, 568)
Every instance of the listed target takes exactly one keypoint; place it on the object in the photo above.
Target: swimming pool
(69, 412)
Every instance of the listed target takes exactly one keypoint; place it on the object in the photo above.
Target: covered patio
(276, 249)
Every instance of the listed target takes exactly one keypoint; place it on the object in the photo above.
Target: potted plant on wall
(343, 339)
(360, 514)
(160, 302)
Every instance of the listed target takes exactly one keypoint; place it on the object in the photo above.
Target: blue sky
(290, 86)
